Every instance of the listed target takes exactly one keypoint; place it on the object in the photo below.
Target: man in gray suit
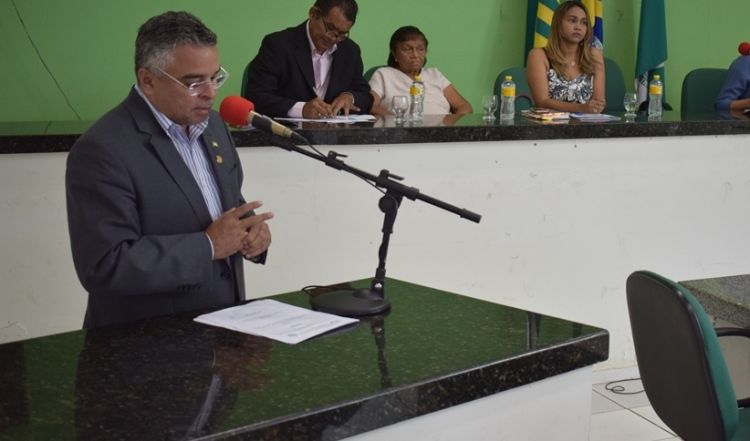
(157, 222)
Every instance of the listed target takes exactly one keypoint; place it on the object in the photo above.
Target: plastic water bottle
(507, 99)
(417, 99)
(655, 90)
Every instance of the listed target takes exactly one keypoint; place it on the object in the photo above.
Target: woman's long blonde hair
(553, 51)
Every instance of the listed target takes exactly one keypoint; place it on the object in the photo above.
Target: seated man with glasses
(157, 222)
(313, 70)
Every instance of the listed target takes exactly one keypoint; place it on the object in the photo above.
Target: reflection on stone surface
(167, 388)
(14, 407)
(172, 378)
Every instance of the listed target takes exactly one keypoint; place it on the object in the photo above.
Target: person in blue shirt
(735, 94)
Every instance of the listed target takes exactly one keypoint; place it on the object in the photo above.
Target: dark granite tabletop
(172, 378)
(727, 298)
(59, 136)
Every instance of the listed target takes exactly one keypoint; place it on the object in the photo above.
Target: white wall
(40, 292)
(564, 223)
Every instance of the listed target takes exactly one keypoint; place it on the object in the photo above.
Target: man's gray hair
(158, 37)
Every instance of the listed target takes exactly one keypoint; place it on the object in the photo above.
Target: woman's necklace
(571, 61)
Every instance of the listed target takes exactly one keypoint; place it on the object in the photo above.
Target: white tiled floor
(626, 416)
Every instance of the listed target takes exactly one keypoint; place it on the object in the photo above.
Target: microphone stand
(370, 301)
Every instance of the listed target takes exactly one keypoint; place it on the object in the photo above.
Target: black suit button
(225, 275)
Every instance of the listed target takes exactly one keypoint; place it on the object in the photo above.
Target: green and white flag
(544, 11)
(652, 46)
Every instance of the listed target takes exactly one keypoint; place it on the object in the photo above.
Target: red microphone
(744, 48)
(234, 110)
(239, 112)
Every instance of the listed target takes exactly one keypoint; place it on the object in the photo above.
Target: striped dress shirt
(192, 152)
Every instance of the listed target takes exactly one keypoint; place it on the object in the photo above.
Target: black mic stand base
(362, 302)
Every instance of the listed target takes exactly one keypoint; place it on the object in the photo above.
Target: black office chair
(614, 86)
(699, 90)
(243, 86)
(368, 73)
(681, 364)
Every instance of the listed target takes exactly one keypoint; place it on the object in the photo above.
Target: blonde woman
(568, 74)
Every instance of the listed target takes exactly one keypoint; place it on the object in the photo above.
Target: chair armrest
(732, 332)
(526, 97)
(735, 332)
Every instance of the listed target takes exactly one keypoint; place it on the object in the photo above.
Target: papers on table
(275, 320)
(335, 120)
(555, 117)
(545, 115)
(594, 117)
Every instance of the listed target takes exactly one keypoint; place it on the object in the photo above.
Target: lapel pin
(219, 159)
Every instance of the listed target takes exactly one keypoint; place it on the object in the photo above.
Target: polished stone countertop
(172, 378)
(59, 136)
(727, 298)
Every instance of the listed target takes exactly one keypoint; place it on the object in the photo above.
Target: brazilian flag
(596, 18)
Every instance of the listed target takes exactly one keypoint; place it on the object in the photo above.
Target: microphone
(239, 112)
(744, 48)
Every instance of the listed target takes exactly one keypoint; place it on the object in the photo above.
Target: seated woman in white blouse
(405, 61)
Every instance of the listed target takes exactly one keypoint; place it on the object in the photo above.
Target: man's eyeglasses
(332, 31)
(194, 89)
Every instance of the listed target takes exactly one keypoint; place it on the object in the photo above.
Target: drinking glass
(399, 105)
(630, 102)
(489, 104)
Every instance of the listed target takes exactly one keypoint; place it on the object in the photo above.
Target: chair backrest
(614, 86)
(614, 90)
(523, 92)
(243, 86)
(699, 90)
(368, 73)
(680, 361)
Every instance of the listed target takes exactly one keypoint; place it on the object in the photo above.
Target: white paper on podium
(275, 320)
(351, 119)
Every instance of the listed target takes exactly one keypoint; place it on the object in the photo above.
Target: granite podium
(172, 378)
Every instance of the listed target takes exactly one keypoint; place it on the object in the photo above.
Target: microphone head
(234, 110)
(744, 48)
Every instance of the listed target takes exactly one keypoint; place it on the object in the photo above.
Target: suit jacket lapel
(169, 156)
(219, 152)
